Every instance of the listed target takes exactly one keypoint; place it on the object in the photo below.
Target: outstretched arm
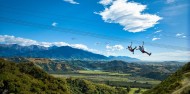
(143, 44)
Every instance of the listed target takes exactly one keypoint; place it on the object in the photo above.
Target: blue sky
(101, 26)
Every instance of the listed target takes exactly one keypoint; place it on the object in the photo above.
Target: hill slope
(26, 78)
(177, 83)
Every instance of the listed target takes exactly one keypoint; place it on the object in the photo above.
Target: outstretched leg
(134, 49)
(147, 53)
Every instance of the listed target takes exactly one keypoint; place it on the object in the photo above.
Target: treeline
(26, 78)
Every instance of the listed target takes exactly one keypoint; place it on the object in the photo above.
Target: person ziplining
(141, 48)
(131, 49)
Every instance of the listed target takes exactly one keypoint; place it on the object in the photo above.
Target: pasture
(112, 79)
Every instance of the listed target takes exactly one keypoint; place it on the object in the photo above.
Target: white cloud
(105, 2)
(183, 36)
(27, 42)
(79, 46)
(166, 56)
(154, 39)
(129, 15)
(114, 47)
(16, 40)
(158, 31)
(114, 50)
(71, 1)
(170, 1)
(180, 35)
(177, 35)
(84, 47)
(54, 24)
(45, 44)
(60, 44)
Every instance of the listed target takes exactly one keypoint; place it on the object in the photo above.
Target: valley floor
(113, 79)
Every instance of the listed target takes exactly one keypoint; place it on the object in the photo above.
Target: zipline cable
(63, 18)
(84, 33)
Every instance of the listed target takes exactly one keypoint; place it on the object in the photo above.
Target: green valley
(26, 78)
(129, 77)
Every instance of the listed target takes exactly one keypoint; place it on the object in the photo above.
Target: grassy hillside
(177, 83)
(26, 78)
(50, 66)
(153, 71)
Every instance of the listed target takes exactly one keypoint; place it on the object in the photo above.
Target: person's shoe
(149, 54)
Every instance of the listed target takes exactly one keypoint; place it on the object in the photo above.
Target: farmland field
(132, 91)
(110, 78)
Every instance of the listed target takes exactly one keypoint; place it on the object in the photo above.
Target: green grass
(110, 78)
(132, 91)
(92, 72)
(93, 77)
(96, 75)
(98, 72)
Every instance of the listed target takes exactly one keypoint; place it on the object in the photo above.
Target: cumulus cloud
(180, 35)
(79, 46)
(16, 40)
(128, 14)
(158, 31)
(54, 24)
(6, 39)
(114, 50)
(154, 39)
(106, 2)
(114, 47)
(60, 44)
(71, 1)
(183, 36)
(27, 42)
(166, 56)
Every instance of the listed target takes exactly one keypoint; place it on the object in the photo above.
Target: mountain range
(55, 52)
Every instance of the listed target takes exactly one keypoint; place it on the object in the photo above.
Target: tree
(128, 88)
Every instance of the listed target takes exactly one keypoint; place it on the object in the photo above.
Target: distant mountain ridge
(54, 52)
(123, 58)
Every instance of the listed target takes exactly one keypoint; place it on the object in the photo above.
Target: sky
(100, 26)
